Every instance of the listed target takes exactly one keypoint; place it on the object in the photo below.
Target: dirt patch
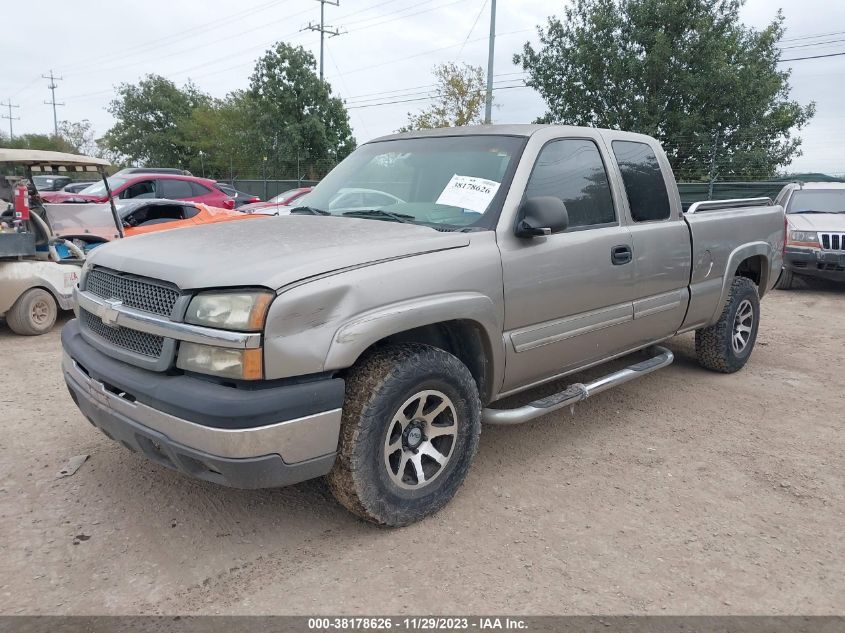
(685, 492)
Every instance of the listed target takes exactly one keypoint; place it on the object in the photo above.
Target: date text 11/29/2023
(415, 623)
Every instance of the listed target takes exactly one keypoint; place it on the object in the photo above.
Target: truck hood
(270, 252)
(824, 222)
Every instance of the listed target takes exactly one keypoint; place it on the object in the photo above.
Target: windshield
(817, 200)
(43, 182)
(81, 219)
(99, 188)
(449, 181)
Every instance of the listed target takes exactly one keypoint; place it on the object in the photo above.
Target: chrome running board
(661, 358)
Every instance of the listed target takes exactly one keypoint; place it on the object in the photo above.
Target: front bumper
(815, 263)
(256, 438)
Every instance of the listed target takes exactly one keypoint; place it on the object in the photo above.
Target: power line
(407, 91)
(433, 50)
(384, 103)
(811, 37)
(322, 29)
(52, 86)
(427, 94)
(472, 28)
(798, 59)
(9, 116)
(179, 37)
(812, 44)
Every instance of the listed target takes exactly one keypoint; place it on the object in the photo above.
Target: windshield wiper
(380, 213)
(812, 211)
(311, 210)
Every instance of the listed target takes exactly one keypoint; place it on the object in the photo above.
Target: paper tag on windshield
(469, 192)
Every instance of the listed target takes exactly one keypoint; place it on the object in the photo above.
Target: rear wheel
(410, 429)
(726, 346)
(33, 313)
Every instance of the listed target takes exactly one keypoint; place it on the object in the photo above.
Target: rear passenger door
(568, 296)
(660, 236)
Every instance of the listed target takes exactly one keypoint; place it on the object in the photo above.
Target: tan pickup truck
(367, 337)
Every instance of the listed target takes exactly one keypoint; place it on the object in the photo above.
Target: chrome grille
(132, 340)
(833, 241)
(135, 292)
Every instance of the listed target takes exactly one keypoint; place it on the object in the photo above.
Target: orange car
(147, 216)
(138, 217)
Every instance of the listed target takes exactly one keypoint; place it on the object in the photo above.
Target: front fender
(325, 324)
(359, 333)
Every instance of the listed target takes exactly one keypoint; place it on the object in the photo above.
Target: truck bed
(723, 234)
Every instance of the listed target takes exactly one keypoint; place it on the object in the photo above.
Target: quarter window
(198, 190)
(643, 179)
(572, 170)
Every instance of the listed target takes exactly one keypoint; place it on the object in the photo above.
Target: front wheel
(726, 345)
(34, 313)
(410, 429)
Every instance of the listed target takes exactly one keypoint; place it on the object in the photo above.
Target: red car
(284, 199)
(148, 185)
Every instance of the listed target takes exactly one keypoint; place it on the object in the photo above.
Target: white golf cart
(38, 269)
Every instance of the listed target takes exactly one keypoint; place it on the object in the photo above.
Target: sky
(380, 64)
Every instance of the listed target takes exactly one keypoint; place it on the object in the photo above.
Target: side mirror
(542, 215)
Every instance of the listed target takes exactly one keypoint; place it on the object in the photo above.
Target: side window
(572, 170)
(175, 189)
(198, 190)
(643, 178)
(189, 211)
(142, 189)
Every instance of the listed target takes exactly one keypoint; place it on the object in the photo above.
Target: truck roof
(508, 129)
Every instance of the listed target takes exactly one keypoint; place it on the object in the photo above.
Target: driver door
(567, 295)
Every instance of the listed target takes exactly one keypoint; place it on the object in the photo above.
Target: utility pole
(323, 29)
(488, 105)
(52, 86)
(9, 116)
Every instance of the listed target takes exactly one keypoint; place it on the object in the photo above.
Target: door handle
(620, 255)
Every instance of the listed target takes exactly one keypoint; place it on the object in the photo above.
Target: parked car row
(146, 182)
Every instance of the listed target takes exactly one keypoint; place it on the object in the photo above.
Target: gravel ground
(686, 492)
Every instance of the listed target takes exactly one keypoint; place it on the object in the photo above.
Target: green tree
(686, 71)
(221, 130)
(80, 136)
(47, 142)
(459, 95)
(294, 119)
(150, 122)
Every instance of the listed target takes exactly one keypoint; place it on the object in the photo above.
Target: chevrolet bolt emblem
(109, 313)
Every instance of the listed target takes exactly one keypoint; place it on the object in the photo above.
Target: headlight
(242, 310)
(804, 236)
(242, 364)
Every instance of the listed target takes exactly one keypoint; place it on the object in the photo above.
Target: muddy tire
(786, 281)
(726, 346)
(410, 429)
(34, 313)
